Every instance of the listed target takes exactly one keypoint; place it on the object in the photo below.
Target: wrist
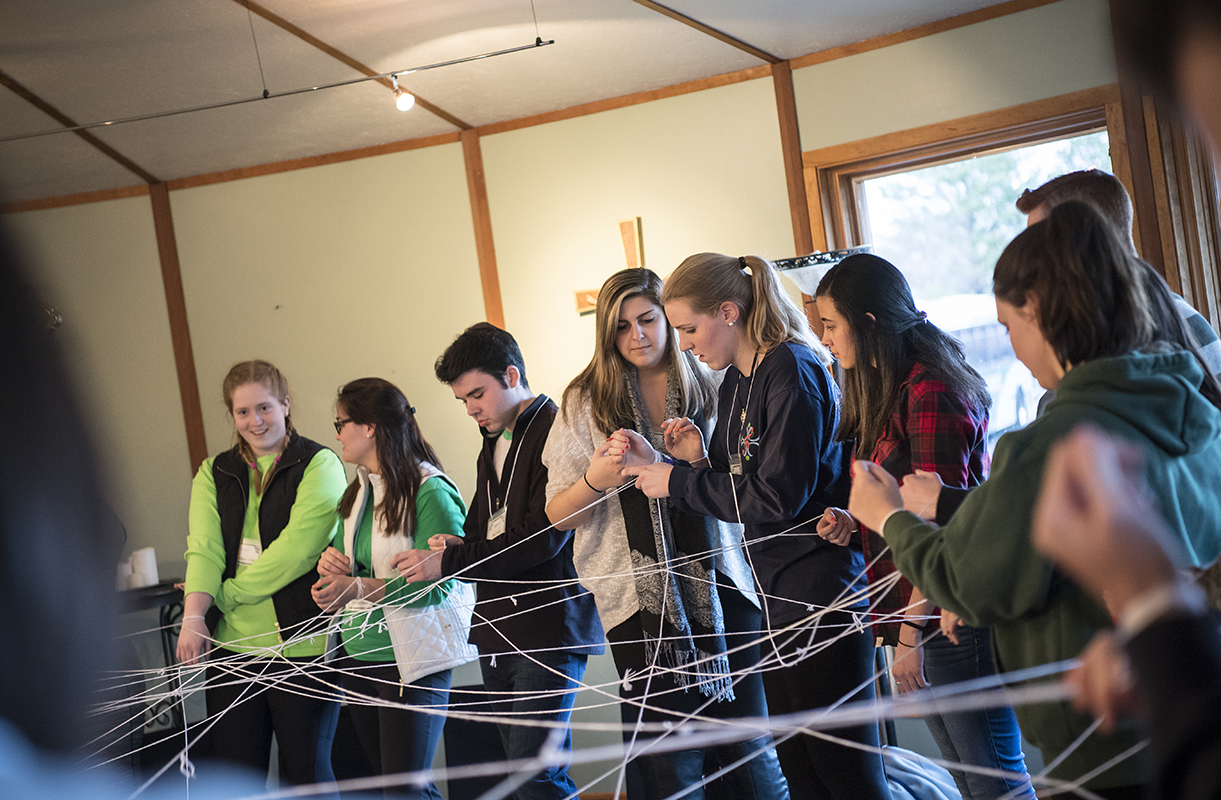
(585, 477)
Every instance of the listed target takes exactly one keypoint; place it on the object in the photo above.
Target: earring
(731, 323)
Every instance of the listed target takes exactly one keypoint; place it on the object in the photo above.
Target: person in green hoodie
(1080, 318)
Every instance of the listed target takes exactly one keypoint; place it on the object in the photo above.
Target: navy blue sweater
(793, 468)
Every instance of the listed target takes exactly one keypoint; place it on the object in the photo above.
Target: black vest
(293, 604)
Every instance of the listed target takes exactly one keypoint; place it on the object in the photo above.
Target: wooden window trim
(832, 173)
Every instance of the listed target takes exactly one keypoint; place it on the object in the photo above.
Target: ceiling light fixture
(402, 98)
(538, 42)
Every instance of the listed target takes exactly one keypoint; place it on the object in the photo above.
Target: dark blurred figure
(57, 589)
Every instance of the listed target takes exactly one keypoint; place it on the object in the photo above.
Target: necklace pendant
(742, 419)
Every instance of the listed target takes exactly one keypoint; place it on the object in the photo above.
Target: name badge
(735, 465)
(249, 552)
(496, 525)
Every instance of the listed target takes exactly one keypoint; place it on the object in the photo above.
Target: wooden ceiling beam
(339, 55)
(708, 30)
(63, 119)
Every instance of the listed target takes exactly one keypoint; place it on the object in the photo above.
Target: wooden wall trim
(919, 32)
(485, 248)
(77, 199)
(623, 101)
(790, 145)
(180, 333)
(963, 127)
(708, 30)
(311, 161)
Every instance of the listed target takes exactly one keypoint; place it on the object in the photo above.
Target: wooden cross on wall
(631, 232)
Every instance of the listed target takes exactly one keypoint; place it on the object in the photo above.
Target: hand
(605, 470)
(335, 591)
(418, 565)
(194, 641)
(920, 491)
(1095, 520)
(875, 494)
(630, 448)
(683, 439)
(1102, 685)
(836, 526)
(950, 623)
(333, 562)
(908, 670)
(438, 543)
(652, 479)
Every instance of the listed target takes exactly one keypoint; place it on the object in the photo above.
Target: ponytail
(706, 280)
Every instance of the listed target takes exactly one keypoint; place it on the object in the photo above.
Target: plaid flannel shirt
(932, 428)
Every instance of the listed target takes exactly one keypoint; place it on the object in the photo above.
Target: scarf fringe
(709, 673)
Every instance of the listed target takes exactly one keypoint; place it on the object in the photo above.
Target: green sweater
(249, 621)
(983, 566)
(439, 509)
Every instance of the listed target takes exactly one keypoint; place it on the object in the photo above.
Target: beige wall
(98, 265)
(1042, 52)
(703, 171)
(364, 268)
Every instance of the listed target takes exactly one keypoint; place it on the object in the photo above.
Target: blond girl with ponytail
(776, 465)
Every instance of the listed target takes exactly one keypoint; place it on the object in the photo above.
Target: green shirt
(439, 509)
(249, 621)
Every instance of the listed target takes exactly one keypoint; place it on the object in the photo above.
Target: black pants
(816, 768)
(665, 774)
(246, 711)
(397, 739)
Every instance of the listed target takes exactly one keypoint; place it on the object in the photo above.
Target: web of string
(158, 688)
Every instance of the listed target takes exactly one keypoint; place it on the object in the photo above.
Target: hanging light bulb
(402, 98)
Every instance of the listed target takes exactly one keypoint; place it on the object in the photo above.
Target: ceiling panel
(96, 61)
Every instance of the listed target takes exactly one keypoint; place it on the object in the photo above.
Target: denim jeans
(529, 686)
(397, 738)
(988, 738)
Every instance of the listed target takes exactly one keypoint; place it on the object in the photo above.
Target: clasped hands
(336, 587)
(627, 454)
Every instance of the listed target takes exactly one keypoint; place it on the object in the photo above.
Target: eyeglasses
(339, 423)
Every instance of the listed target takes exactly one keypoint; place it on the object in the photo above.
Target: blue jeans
(529, 686)
(988, 738)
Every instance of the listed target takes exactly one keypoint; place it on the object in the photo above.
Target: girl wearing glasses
(399, 640)
(261, 514)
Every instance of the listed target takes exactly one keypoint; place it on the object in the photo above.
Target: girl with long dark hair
(400, 641)
(912, 402)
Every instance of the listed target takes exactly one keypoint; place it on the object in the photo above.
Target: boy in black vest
(534, 624)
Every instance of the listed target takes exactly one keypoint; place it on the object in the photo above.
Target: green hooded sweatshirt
(983, 566)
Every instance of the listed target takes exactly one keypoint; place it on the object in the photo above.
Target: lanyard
(513, 466)
(734, 453)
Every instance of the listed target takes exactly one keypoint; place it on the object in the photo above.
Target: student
(911, 401)
(1075, 304)
(1094, 520)
(261, 515)
(399, 499)
(535, 625)
(699, 655)
(1111, 198)
(776, 466)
